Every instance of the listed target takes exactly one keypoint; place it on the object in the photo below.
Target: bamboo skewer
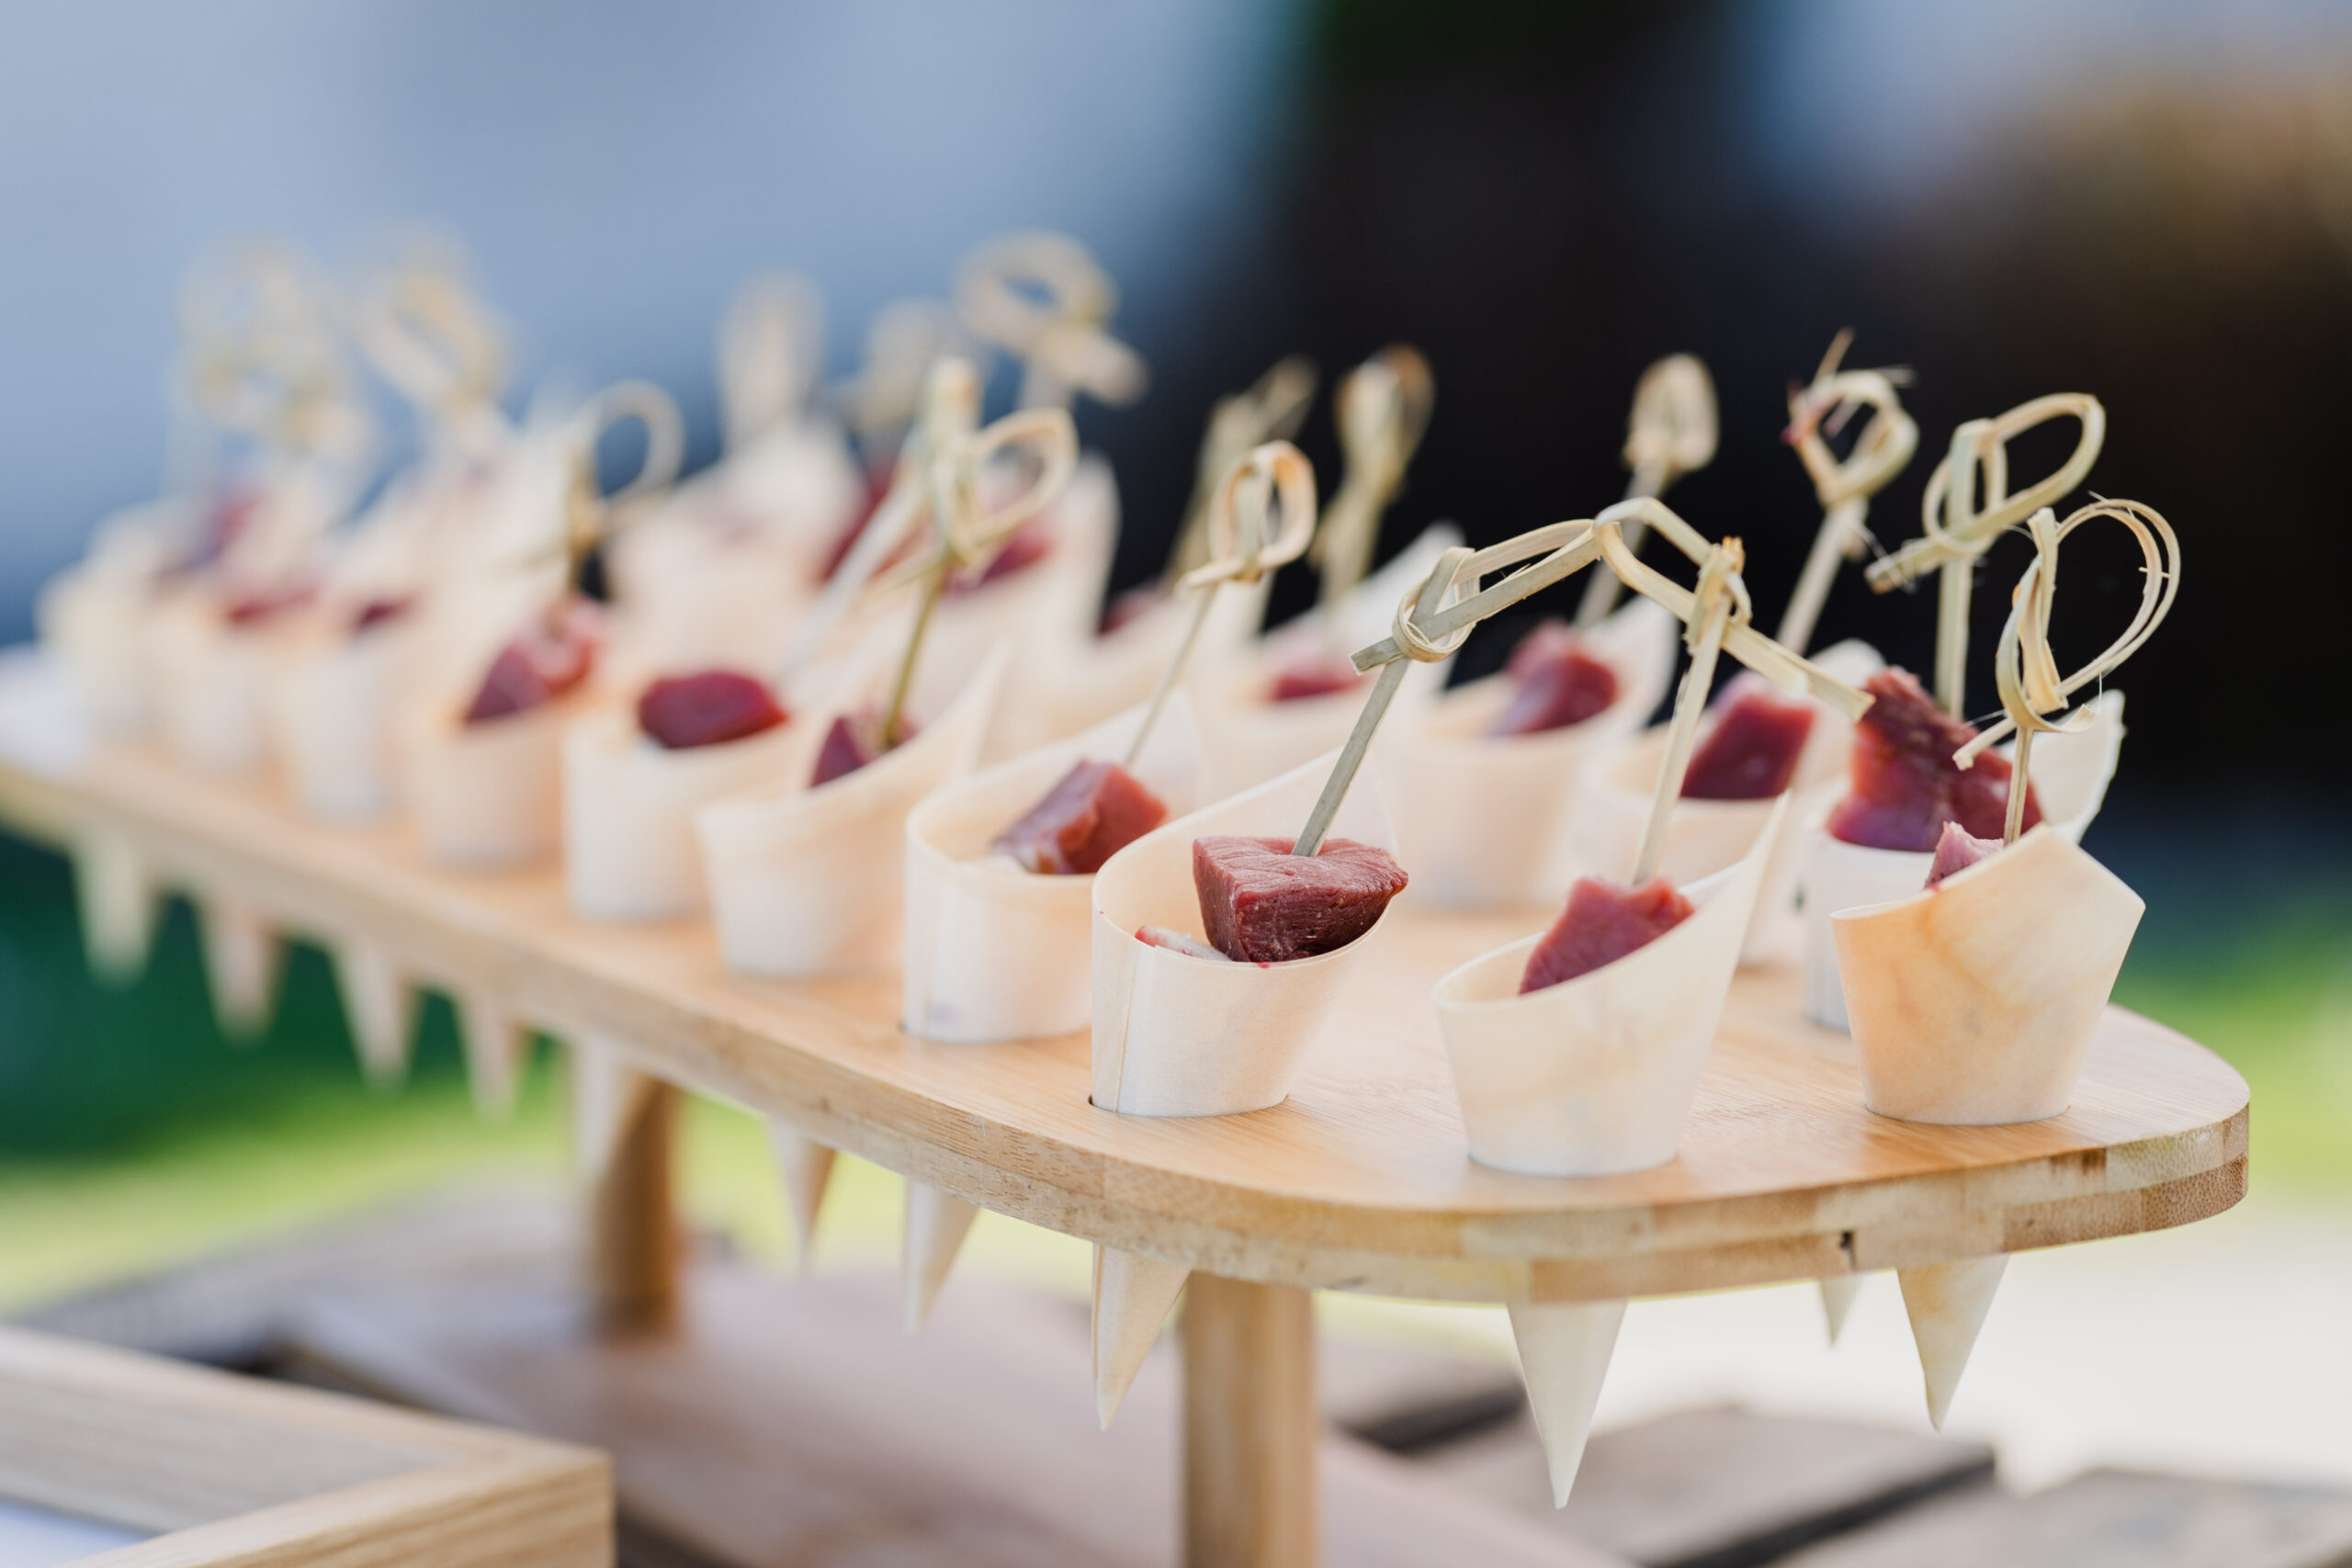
(1719, 592)
(1272, 410)
(1671, 431)
(1382, 410)
(1881, 449)
(1061, 340)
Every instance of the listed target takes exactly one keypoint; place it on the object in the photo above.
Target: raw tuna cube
(252, 606)
(708, 708)
(538, 666)
(1957, 850)
(376, 611)
(1132, 605)
(1262, 903)
(1178, 941)
(1555, 682)
(1603, 922)
(1319, 677)
(1751, 753)
(854, 741)
(1905, 785)
(1096, 810)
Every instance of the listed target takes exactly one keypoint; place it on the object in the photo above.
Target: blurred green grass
(132, 1135)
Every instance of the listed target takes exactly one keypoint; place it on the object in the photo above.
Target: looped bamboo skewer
(1670, 432)
(1954, 531)
(1061, 340)
(1719, 597)
(1881, 449)
(1382, 410)
(1272, 410)
(884, 399)
(592, 518)
(771, 348)
(1276, 472)
(427, 334)
(2023, 667)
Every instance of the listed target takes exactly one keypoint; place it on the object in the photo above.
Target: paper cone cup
(241, 962)
(1176, 1035)
(608, 1097)
(1250, 740)
(495, 1046)
(805, 1169)
(1118, 670)
(210, 683)
(116, 898)
(628, 809)
(694, 593)
(2070, 778)
(93, 622)
(1563, 1351)
(1596, 1075)
(813, 880)
(1133, 1296)
(486, 795)
(333, 702)
(996, 953)
(936, 1224)
(1976, 1002)
(1839, 1293)
(1490, 815)
(376, 1006)
(1947, 1302)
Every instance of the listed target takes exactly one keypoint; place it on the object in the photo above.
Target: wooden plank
(2112, 1519)
(1716, 1488)
(1359, 1181)
(1251, 1425)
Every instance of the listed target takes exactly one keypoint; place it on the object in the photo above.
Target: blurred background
(2144, 199)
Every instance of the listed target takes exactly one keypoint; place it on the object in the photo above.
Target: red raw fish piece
(709, 707)
(538, 666)
(1555, 682)
(1603, 922)
(1264, 905)
(1905, 784)
(1178, 942)
(1751, 753)
(1957, 850)
(1096, 810)
(1132, 605)
(255, 605)
(1318, 677)
(853, 741)
(376, 611)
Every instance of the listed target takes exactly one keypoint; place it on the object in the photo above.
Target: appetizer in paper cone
(209, 678)
(1976, 1001)
(1596, 1075)
(1489, 813)
(90, 616)
(333, 712)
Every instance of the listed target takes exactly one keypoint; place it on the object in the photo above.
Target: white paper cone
(1116, 671)
(1976, 1002)
(936, 1224)
(2069, 777)
(805, 1169)
(1250, 740)
(628, 809)
(608, 1095)
(333, 702)
(94, 620)
(486, 795)
(1563, 1350)
(210, 683)
(996, 953)
(376, 1005)
(241, 962)
(813, 880)
(1839, 1293)
(495, 1046)
(1132, 1297)
(116, 898)
(1490, 815)
(1947, 1302)
(693, 593)
(1176, 1035)
(1596, 1075)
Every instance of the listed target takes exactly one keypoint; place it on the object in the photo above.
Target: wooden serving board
(1360, 1181)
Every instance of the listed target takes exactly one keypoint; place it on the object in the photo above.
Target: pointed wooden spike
(496, 1047)
(1837, 1295)
(1948, 1303)
(1563, 1350)
(806, 1167)
(1132, 1296)
(376, 1006)
(606, 1096)
(241, 962)
(936, 1225)
(117, 899)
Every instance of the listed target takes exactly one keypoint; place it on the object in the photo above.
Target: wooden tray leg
(636, 1262)
(1251, 1426)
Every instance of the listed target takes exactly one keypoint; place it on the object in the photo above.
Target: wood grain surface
(1359, 1181)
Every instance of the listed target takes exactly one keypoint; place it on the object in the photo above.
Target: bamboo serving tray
(1360, 1181)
